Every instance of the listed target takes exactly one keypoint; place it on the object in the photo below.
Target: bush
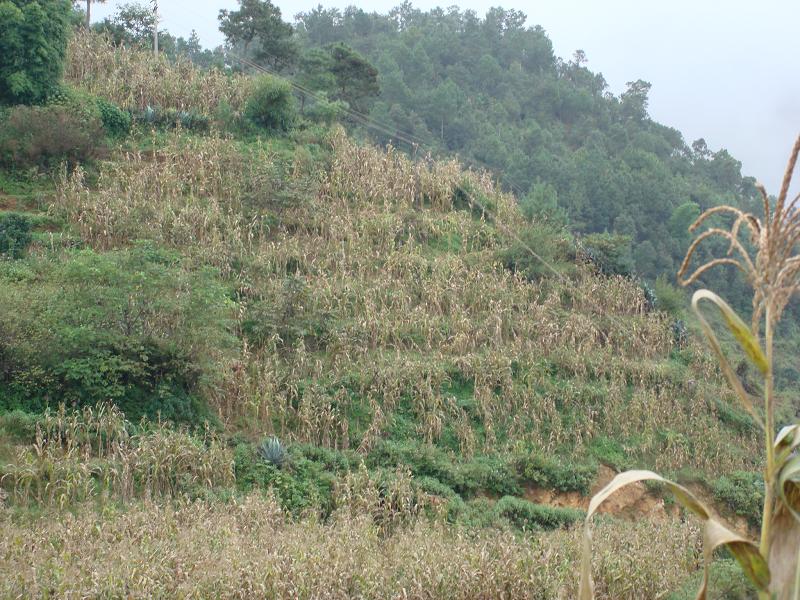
(47, 136)
(15, 234)
(130, 327)
(610, 254)
(726, 580)
(33, 44)
(116, 122)
(669, 298)
(743, 492)
(271, 105)
(534, 517)
(553, 244)
(553, 474)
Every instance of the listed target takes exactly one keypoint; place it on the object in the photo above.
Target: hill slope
(379, 316)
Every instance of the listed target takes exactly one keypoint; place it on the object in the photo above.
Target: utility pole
(155, 28)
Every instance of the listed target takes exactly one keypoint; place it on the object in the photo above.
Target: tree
(33, 44)
(88, 16)
(132, 24)
(315, 73)
(356, 79)
(634, 100)
(259, 22)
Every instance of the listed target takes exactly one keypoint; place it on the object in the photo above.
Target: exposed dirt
(632, 502)
(7, 202)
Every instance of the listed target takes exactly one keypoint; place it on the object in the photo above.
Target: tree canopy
(33, 43)
(257, 26)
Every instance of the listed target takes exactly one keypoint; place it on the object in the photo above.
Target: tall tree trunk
(88, 13)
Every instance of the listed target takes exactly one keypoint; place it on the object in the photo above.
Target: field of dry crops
(372, 317)
(248, 549)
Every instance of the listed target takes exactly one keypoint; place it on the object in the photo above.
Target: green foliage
(306, 485)
(116, 122)
(669, 298)
(727, 582)
(18, 426)
(131, 327)
(489, 474)
(535, 517)
(271, 105)
(609, 452)
(15, 234)
(272, 451)
(743, 492)
(610, 254)
(555, 474)
(356, 78)
(257, 26)
(47, 136)
(33, 44)
(549, 243)
(90, 109)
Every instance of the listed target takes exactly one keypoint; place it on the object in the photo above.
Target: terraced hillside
(300, 366)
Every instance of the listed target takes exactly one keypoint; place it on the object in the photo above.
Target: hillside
(490, 89)
(299, 365)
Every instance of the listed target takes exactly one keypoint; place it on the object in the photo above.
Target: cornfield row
(249, 549)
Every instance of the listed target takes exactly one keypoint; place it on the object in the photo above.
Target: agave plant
(272, 451)
(772, 267)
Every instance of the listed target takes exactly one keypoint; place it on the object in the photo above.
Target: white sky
(723, 70)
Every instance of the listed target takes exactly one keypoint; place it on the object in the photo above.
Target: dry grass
(248, 549)
(81, 455)
(401, 294)
(133, 79)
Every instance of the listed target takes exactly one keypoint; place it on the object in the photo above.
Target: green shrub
(743, 492)
(669, 298)
(116, 122)
(131, 327)
(271, 105)
(18, 426)
(533, 517)
(305, 485)
(423, 460)
(47, 136)
(553, 474)
(726, 580)
(15, 234)
(550, 243)
(610, 254)
(487, 474)
(33, 44)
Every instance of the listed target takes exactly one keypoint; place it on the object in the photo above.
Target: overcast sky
(725, 71)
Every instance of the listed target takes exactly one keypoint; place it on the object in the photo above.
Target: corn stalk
(773, 270)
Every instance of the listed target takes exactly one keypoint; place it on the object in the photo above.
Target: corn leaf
(715, 535)
(746, 339)
(787, 440)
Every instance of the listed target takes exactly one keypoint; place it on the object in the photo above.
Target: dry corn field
(131, 78)
(249, 549)
(369, 306)
(401, 300)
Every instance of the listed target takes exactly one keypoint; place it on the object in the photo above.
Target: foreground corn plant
(773, 269)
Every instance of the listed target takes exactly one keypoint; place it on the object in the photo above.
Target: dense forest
(358, 305)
